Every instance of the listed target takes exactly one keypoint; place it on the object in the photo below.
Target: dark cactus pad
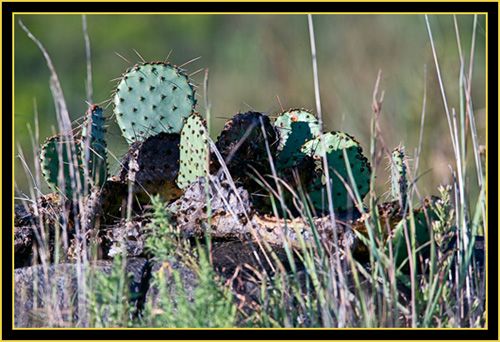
(152, 166)
(242, 144)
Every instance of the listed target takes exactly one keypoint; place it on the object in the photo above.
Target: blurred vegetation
(255, 59)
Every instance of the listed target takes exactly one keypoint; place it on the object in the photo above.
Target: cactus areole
(152, 98)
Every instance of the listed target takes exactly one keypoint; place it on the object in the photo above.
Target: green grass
(319, 288)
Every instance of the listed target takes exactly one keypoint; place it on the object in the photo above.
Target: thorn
(279, 101)
(195, 72)
(126, 60)
(138, 54)
(165, 62)
(190, 61)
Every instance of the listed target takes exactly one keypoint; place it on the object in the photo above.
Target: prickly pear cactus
(93, 147)
(335, 143)
(53, 158)
(399, 174)
(152, 167)
(194, 149)
(242, 144)
(89, 159)
(152, 98)
(295, 127)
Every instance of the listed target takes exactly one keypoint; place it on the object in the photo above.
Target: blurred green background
(255, 59)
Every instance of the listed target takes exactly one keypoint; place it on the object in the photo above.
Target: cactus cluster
(300, 147)
(82, 155)
(170, 149)
(154, 106)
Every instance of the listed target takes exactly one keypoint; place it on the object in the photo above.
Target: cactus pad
(93, 146)
(152, 166)
(335, 143)
(242, 144)
(53, 149)
(422, 234)
(152, 98)
(399, 174)
(193, 151)
(296, 127)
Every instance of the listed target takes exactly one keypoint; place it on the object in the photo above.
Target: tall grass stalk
(458, 133)
(342, 298)
(89, 87)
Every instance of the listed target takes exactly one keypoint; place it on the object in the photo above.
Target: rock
(165, 270)
(132, 235)
(228, 207)
(48, 297)
(232, 217)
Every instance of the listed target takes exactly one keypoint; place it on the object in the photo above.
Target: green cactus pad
(399, 174)
(93, 146)
(152, 98)
(335, 143)
(194, 144)
(296, 127)
(52, 150)
(422, 234)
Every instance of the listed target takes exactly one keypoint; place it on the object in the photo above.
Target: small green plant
(208, 305)
(110, 298)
